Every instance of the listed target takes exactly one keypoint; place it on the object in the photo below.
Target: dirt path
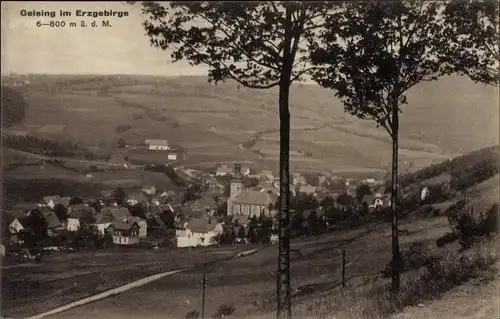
(473, 300)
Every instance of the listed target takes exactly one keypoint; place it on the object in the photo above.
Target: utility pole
(204, 283)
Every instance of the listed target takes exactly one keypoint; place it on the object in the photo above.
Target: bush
(473, 227)
(224, 311)
(192, 314)
(415, 257)
(447, 238)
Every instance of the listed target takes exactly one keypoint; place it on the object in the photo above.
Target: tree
(327, 202)
(312, 222)
(473, 26)
(138, 210)
(361, 191)
(121, 143)
(258, 44)
(119, 196)
(60, 211)
(168, 218)
(345, 200)
(75, 201)
(37, 225)
(13, 106)
(386, 48)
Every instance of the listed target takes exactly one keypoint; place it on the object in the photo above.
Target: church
(247, 202)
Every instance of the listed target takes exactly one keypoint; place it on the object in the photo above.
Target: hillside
(444, 118)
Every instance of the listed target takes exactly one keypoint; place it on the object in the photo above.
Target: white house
(50, 201)
(157, 145)
(149, 189)
(16, 225)
(424, 193)
(125, 232)
(199, 232)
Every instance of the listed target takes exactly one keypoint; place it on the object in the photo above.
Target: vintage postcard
(250, 159)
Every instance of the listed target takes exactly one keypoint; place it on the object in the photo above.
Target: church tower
(237, 181)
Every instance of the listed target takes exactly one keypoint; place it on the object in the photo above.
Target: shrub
(447, 238)
(473, 227)
(224, 311)
(192, 314)
(415, 257)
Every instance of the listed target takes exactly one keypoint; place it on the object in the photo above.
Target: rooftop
(156, 142)
(249, 196)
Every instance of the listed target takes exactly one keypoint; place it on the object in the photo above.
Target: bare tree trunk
(396, 258)
(284, 303)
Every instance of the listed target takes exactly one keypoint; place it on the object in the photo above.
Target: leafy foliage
(13, 106)
(242, 41)
(119, 196)
(361, 191)
(473, 26)
(61, 212)
(192, 314)
(415, 257)
(224, 311)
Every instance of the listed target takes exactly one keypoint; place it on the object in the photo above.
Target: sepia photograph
(250, 159)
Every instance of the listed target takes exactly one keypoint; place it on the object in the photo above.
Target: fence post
(343, 267)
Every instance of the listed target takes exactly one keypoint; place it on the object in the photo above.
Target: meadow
(248, 283)
(33, 288)
(442, 119)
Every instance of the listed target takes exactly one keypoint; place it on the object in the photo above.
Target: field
(249, 282)
(444, 118)
(65, 277)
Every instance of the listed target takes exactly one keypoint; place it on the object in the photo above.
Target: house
(137, 198)
(274, 239)
(18, 224)
(199, 232)
(424, 193)
(54, 225)
(223, 170)
(373, 201)
(157, 145)
(125, 231)
(49, 201)
(78, 212)
(307, 189)
(149, 189)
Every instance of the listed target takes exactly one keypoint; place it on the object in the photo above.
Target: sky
(122, 48)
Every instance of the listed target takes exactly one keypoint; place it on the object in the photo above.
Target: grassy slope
(446, 117)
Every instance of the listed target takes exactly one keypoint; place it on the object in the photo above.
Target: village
(231, 206)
